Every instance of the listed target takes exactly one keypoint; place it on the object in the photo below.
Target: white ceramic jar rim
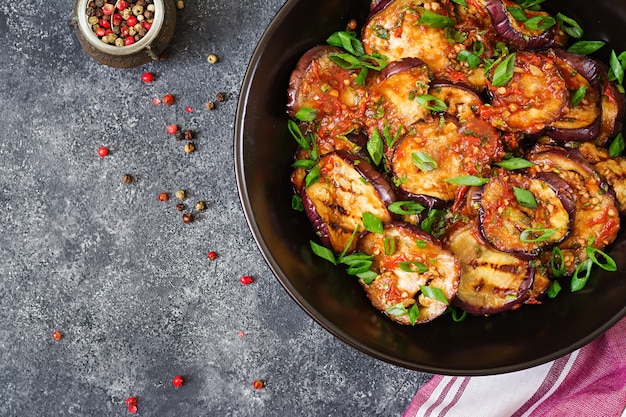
(144, 42)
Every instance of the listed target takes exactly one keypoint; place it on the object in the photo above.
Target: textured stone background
(116, 271)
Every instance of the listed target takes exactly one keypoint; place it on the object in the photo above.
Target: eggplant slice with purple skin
(611, 169)
(596, 221)
(410, 264)
(535, 97)
(491, 281)
(393, 94)
(525, 215)
(439, 149)
(394, 30)
(461, 100)
(347, 187)
(613, 107)
(582, 118)
(516, 32)
(320, 84)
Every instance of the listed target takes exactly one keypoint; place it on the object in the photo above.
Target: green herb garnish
(424, 162)
(525, 198)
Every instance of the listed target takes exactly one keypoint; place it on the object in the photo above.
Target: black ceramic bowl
(264, 150)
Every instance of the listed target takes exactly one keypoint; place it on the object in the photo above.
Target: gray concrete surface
(116, 271)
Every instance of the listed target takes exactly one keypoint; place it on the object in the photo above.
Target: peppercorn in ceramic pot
(124, 33)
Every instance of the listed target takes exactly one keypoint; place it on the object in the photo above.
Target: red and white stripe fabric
(590, 382)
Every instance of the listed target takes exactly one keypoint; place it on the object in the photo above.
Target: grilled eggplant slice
(535, 97)
(411, 265)
(518, 33)
(347, 187)
(393, 93)
(582, 117)
(596, 221)
(491, 281)
(394, 30)
(461, 100)
(611, 169)
(524, 215)
(440, 149)
(613, 108)
(320, 84)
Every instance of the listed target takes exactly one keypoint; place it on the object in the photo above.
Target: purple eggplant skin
(367, 171)
(376, 7)
(582, 134)
(425, 200)
(588, 67)
(299, 72)
(563, 191)
(319, 225)
(503, 27)
(613, 112)
(397, 67)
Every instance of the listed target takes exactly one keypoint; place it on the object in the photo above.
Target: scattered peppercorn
(212, 59)
(103, 151)
(188, 135)
(163, 197)
(210, 105)
(189, 147)
(188, 109)
(56, 335)
(177, 381)
(127, 179)
(200, 206)
(351, 25)
(131, 401)
(187, 218)
(180, 4)
(180, 194)
(147, 77)
(132, 409)
(258, 384)
(240, 333)
(156, 101)
(220, 97)
(171, 129)
(212, 256)
(246, 280)
(180, 207)
(168, 99)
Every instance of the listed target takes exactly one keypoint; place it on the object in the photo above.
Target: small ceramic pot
(147, 49)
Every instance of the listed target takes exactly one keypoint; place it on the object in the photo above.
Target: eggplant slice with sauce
(411, 265)
(347, 187)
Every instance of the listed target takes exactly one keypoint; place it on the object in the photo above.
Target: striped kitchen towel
(589, 382)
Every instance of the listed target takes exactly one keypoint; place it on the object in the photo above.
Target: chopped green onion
(306, 114)
(432, 103)
(540, 22)
(557, 262)
(296, 203)
(434, 293)
(424, 162)
(348, 244)
(380, 32)
(421, 243)
(529, 4)
(375, 147)
(396, 309)
(570, 26)
(417, 267)
(504, 71)
(304, 163)
(517, 13)
(359, 267)
(581, 275)
(456, 316)
(616, 70)
(312, 176)
(295, 131)
(607, 263)
(585, 47)
(323, 252)
(414, 313)
(406, 207)
(554, 289)
(367, 277)
(617, 146)
(515, 163)
(434, 20)
(534, 235)
(389, 246)
(347, 41)
(434, 223)
(372, 223)
(460, 2)
(578, 95)
(473, 60)
(468, 180)
(525, 198)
